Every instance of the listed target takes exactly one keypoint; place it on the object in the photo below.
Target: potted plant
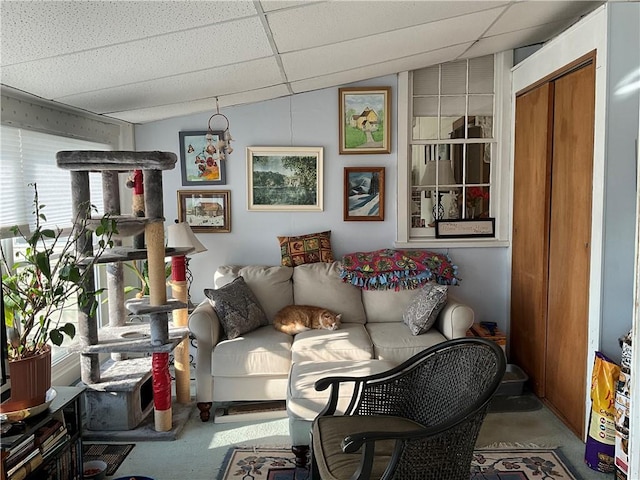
(49, 274)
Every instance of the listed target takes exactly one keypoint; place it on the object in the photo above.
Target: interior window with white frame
(452, 143)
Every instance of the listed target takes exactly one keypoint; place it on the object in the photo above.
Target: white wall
(310, 119)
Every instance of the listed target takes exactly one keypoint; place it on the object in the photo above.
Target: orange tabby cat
(294, 319)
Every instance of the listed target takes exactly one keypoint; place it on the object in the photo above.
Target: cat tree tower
(122, 392)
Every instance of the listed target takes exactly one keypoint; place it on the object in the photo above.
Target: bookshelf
(49, 447)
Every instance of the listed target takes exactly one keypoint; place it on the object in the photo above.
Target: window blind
(30, 157)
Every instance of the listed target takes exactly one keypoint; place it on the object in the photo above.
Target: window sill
(452, 243)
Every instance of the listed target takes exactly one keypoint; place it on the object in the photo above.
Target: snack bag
(600, 446)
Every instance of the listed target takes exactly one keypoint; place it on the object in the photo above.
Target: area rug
(112, 454)
(487, 464)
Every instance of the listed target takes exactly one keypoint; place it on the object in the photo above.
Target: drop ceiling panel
(385, 46)
(59, 28)
(272, 5)
(521, 38)
(142, 60)
(529, 14)
(180, 88)
(146, 115)
(339, 21)
(381, 69)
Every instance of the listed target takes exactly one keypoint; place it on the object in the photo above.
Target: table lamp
(440, 173)
(181, 235)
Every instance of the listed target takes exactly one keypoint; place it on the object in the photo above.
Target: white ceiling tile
(146, 115)
(400, 65)
(521, 38)
(339, 21)
(138, 61)
(386, 46)
(529, 14)
(272, 5)
(44, 29)
(180, 88)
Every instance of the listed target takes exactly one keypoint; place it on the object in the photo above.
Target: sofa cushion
(310, 248)
(265, 351)
(305, 402)
(386, 305)
(422, 312)
(350, 342)
(271, 285)
(393, 341)
(237, 308)
(319, 284)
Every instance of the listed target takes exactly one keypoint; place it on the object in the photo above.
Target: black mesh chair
(419, 420)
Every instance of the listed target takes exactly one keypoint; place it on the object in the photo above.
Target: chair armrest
(205, 326)
(455, 319)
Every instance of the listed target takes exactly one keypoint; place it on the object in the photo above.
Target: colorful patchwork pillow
(422, 312)
(237, 308)
(311, 248)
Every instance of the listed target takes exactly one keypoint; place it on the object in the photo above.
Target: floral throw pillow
(311, 248)
(237, 308)
(422, 312)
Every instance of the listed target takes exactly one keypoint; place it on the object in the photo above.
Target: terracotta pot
(30, 380)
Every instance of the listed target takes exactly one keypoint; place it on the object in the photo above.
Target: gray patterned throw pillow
(423, 311)
(237, 308)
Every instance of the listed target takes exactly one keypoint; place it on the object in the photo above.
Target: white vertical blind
(30, 157)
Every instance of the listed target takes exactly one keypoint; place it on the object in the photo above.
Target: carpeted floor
(488, 464)
(112, 454)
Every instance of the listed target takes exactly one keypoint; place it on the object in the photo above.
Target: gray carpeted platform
(145, 432)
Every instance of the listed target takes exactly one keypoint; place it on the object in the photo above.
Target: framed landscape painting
(200, 160)
(365, 120)
(284, 178)
(364, 194)
(206, 211)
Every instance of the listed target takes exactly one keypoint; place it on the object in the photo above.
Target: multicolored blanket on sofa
(389, 269)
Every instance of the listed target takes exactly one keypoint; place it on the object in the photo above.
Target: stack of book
(52, 434)
(23, 458)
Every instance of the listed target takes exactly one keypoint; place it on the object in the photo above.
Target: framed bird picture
(201, 162)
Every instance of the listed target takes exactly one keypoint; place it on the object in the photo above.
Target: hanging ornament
(223, 144)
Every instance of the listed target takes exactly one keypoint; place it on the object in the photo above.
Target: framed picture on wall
(365, 120)
(363, 194)
(200, 160)
(206, 211)
(284, 178)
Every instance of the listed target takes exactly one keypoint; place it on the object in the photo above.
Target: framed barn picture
(363, 194)
(206, 211)
(284, 178)
(365, 120)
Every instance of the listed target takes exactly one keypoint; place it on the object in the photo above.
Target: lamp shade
(444, 173)
(181, 235)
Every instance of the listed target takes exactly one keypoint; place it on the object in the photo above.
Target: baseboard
(251, 411)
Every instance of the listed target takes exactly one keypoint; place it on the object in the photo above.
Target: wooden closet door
(569, 245)
(530, 234)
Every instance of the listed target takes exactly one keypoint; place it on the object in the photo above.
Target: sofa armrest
(205, 327)
(455, 319)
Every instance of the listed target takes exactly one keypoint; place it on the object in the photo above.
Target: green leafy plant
(142, 273)
(51, 273)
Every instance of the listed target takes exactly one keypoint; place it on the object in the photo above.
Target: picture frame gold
(206, 211)
(364, 120)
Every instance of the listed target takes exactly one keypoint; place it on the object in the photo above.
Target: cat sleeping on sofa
(294, 319)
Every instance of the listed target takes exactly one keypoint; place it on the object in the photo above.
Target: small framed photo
(284, 178)
(206, 211)
(365, 120)
(200, 160)
(363, 194)
(466, 228)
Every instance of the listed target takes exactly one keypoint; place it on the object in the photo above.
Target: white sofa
(256, 365)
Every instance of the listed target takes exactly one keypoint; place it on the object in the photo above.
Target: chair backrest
(447, 387)
(437, 384)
